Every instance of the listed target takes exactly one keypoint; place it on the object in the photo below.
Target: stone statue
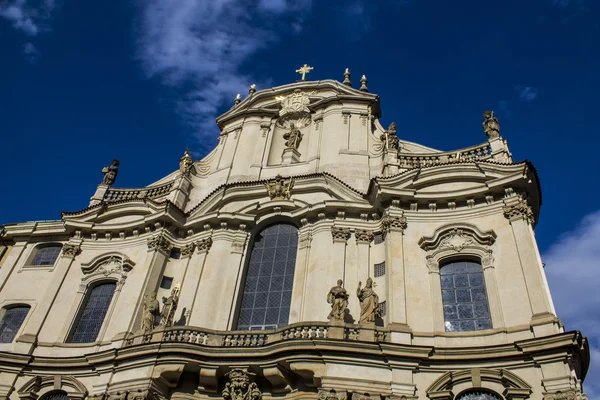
(150, 311)
(169, 307)
(368, 302)
(390, 138)
(185, 163)
(491, 126)
(279, 189)
(293, 137)
(239, 386)
(110, 173)
(338, 298)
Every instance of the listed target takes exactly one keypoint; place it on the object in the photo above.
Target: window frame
(83, 305)
(33, 254)
(25, 319)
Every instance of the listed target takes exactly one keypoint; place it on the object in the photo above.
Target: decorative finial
(491, 126)
(252, 89)
(305, 69)
(238, 99)
(347, 81)
(186, 162)
(363, 84)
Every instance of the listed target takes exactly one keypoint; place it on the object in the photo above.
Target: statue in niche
(110, 173)
(239, 386)
(293, 137)
(149, 312)
(185, 163)
(490, 124)
(169, 306)
(338, 298)
(368, 302)
(279, 189)
(390, 138)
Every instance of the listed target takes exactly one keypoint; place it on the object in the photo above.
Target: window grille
(166, 282)
(382, 309)
(93, 313)
(380, 269)
(58, 395)
(46, 255)
(379, 237)
(464, 297)
(478, 395)
(267, 294)
(175, 253)
(11, 322)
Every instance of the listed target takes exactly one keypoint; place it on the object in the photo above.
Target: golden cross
(305, 69)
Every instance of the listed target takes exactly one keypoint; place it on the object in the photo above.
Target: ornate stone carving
(139, 395)
(293, 137)
(340, 234)
(70, 250)
(364, 236)
(519, 210)
(294, 109)
(185, 163)
(100, 396)
(204, 245)
(118, 396)
(368, 302)
(456, 240)
(491, 126)
(332, 394)
(239, 386)
(567, 395)
(338, 298)
(159, 243)
(188, 250)
(110, 173)
(169, 307)
(394, 223)
(365, 396)
(279, 188)
(149, 312)
(389, 137)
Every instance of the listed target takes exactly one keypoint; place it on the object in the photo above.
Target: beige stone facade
(365, 204)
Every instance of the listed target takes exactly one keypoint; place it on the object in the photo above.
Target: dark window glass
(166, 282)
(379, 237)
(478, 395)
(379, 269)
(93, 313)
(58, 395)
(175, 253)
(11, 322)
(46, 255)
(382, 308)
(267, 295)
(464, 297)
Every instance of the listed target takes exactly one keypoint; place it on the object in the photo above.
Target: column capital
(159, 243)
(203, 245)
(340, 234)
(70, 250)
(519, 210)
(364, 236)
(394, 223)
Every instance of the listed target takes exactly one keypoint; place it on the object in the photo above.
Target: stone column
(28, 340)
(489, 273)
(394, 224)
(192, 277)
(520, 215)
(299, 291)
(159, 249)
(10, 263)
(340, 238)
(362, 270)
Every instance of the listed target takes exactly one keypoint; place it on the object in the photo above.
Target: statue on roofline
(390, 138)
(491, 126)
(185, 163)
(110, 173)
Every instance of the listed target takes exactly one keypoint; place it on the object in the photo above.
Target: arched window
(267, 292)
(56, 395)
(46, 255)
(464, 297)
(92, 315)
(10, 322)
(478, 395)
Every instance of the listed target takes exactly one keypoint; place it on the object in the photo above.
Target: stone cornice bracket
(364, 236)
(519, 210)
(159, 243)
(70, 250)
(340, 235)
(203, 245)
(332, 394)
(239, 386)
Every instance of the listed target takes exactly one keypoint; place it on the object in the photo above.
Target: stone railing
(416, 160)
(299, 331)
(140, 193)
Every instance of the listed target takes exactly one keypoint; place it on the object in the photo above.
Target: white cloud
(573, 271)
(527, 93)
(31, 53)
(198, 47)
(28, 17)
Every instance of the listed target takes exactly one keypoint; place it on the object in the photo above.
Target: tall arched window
(267, 292)
(56, 395)
(92, 315)
(10, 321)
(46, 255)
(464, 297)
(478, 395)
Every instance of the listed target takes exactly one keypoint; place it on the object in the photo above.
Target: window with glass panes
(478, 395)
(46, 255)
(11, 322)
(464, 297)
(267, 294)
(93, 313)
(58, 395)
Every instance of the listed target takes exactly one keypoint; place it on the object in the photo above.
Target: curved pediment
(457, 236)
(107, 262)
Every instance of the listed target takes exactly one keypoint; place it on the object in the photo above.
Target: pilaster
(394, 224)
(192, 277)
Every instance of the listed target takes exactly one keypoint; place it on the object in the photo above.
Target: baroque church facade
(313, 254)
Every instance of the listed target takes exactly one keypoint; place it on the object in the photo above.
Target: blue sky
(83, 82)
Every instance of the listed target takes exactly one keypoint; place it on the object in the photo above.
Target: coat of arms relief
(294, 109)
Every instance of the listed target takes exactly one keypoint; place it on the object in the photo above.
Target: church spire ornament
(363, 84)
(347, 80)
(303, 70)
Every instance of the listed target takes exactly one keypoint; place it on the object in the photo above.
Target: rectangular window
(166, 282)
(379, 269)
(379, 237)
(382, 309)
